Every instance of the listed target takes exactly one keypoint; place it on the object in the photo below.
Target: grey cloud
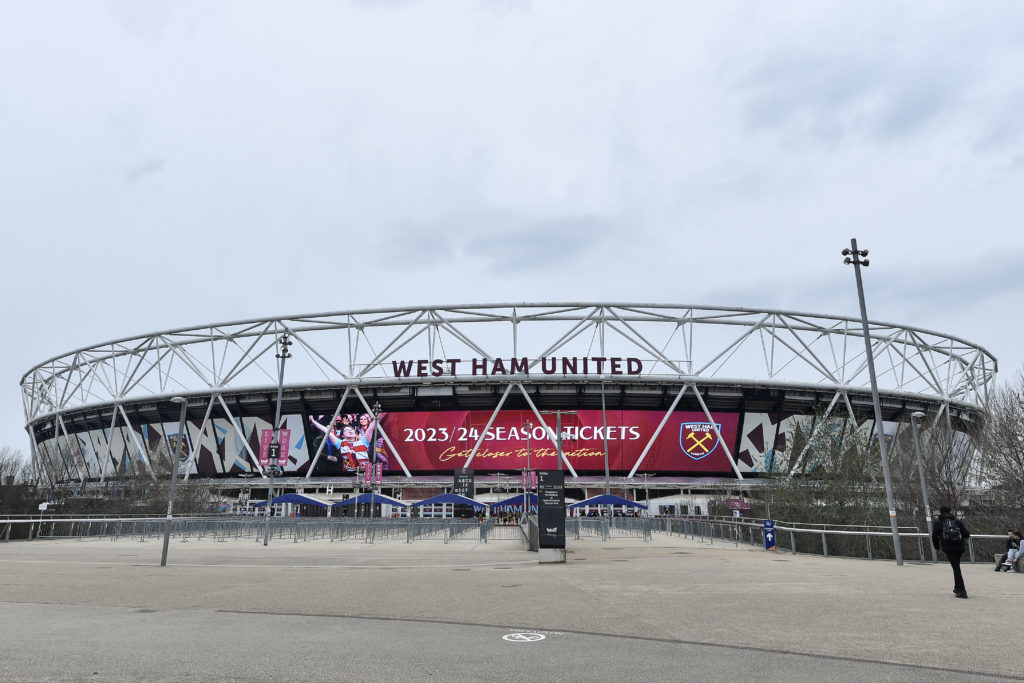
(498, 241)
(143, 169)
(829, 99)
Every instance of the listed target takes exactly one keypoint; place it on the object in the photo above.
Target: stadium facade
(667, 395)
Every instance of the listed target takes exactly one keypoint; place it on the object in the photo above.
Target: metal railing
(295, 529)
(606, 528)
(868, 542)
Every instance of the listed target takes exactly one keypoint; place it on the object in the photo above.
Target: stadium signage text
(517, 366)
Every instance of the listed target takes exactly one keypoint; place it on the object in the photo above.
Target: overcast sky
(169, 164)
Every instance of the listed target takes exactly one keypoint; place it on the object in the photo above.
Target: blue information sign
(769, 534)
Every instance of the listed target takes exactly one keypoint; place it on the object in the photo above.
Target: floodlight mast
(854, 256)
(282, 355)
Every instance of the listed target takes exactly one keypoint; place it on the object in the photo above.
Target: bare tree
(14, 466)
(1002, 442)
(949, 455)
(836, 480)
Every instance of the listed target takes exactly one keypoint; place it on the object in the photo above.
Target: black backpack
(951, 531)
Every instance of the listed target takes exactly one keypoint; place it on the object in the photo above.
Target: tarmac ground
(668, 609)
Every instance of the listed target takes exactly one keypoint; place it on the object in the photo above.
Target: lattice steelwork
(698, 346)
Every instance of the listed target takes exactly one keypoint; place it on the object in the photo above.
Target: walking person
(949, 534)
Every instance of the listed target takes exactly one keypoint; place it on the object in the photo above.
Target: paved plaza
(667, 609)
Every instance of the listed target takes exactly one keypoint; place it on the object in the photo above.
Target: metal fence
(606, 528)
(295, 529)
(868, 542)
(831, 541)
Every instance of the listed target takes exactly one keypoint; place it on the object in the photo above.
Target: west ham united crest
(698, 439)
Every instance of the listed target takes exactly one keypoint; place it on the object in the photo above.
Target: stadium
(659, 399)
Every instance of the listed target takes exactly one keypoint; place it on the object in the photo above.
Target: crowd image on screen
(348, 447)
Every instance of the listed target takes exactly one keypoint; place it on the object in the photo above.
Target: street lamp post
(853, 255)
(175, 465)
(914, 417)
(282, 355)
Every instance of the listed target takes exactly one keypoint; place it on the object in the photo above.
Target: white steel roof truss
(248, 358)
(490, 421)
(731, 348)
(642, 341)
(330, 425)
(718, 433)
(547, 430)
(135, 438)
(67, 440)
(383, 433)
(314, 355)
(391, 346)
(821, 367)
(657, 432)
(194, 445)
(241, 434)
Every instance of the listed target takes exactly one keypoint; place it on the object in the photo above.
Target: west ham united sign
(698, 439)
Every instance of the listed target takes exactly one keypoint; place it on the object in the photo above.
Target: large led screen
(433, 441)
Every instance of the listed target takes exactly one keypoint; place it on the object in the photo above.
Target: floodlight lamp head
(846, 252)
(177, 399)
(865, 263)
(917, 414)
(847, 260)
(863, 252)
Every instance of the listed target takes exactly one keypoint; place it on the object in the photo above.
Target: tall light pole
(526, 474)
(853, 255)
(175, 465)
(558, 428)
(275, 446)
(914, 417)
(375, 411)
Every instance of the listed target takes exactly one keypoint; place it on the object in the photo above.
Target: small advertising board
(769, 534)
(551, 508)
(463, 484)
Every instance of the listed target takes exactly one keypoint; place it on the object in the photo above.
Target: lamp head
(846, 252)
(917, 414)
(177, 399)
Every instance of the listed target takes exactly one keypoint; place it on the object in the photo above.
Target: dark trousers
(958, 578)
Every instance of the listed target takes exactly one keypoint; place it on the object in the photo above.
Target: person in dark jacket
(1012, 543)
(944, 532)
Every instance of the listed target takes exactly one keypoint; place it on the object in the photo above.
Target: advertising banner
(284, 438)
(433, 441)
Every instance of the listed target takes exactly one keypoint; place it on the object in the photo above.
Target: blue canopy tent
(453, 498)
(515, 501)
(607, 499)
(372, 498)
(297, 498)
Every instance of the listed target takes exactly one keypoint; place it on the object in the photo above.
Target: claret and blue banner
(428, 442)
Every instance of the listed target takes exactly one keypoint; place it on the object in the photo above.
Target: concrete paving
(668, 609)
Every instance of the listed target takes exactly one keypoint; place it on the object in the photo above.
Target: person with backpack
(949, 534)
